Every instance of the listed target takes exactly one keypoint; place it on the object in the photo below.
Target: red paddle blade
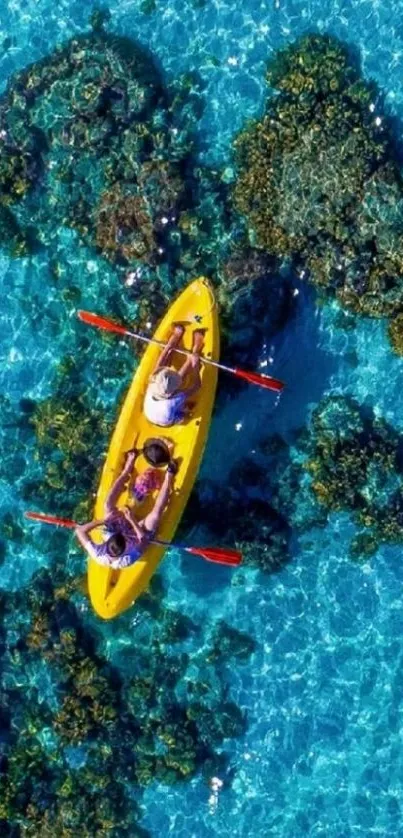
(261, 380)
(50, 519)
(217, 554)
(101, 322)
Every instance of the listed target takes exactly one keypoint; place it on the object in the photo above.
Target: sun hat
(156, 452)
(164, 383)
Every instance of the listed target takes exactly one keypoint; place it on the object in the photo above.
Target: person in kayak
(166, 396)
(126, 539)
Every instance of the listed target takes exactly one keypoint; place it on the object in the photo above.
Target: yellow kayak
(113, 591)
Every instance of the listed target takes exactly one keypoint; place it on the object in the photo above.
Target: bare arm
(190, 391)
(138, 531)
(120, 483)
(82, 532)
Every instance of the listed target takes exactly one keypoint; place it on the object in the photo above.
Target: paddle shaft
(260, 379)
(218, 366)
(220, 555)
(169, 544)
(174, 349)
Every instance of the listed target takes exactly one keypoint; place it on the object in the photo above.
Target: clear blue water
(322, 755)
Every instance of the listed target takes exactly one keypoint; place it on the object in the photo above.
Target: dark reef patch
(355, 463)
(74, 753)
(318, 179)
(346, 460)
(94, 140)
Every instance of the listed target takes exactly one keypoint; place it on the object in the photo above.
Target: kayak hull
(113, 591)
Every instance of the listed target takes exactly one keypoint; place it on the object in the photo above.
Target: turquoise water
(321, 692)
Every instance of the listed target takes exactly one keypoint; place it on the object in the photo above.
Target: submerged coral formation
(110, 152)
(96, 733)
(346, 460)
(70, 434)
(395, 332)
(84, 117)
(317, 180)
(242, 513)
(17, 241)
(94, 141)
(124, 227)
(355, 464)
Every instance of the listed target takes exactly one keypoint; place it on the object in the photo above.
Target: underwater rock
(13, 238)
(317, 178)
(228, 642)
(70, 434)
(235, 515)
(355, 463)
(124, 229)
(395, 332)
(91, 115)
(74, 754)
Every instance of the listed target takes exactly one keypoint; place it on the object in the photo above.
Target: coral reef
(346, 460)
(14, 239)
(242, 513)
(74, 751)
(111, 153)
(355, 464)
(317, 181)
(70, 433)
(95, 142)
(395, 332)
(124, 228)
(94, 122)
(228, 642)
(20, 160)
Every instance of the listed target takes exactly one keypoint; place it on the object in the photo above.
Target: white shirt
(164, 411)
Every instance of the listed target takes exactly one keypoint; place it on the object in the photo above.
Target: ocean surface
(322, 753)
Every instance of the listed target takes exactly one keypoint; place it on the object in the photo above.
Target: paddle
(220, 555)
(261, 380)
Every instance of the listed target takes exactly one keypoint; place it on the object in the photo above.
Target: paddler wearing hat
(166, 397)
(125, 538)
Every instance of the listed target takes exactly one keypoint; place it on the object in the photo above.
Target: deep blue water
(322, 755)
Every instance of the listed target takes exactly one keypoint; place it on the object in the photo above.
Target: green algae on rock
(317, 180)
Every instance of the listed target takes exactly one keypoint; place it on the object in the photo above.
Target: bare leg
(198, 341)
(193, 362)
(173, 341)
(152, 521)
(119, 485)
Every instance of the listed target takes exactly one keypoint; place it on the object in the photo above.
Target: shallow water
(322, 755)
